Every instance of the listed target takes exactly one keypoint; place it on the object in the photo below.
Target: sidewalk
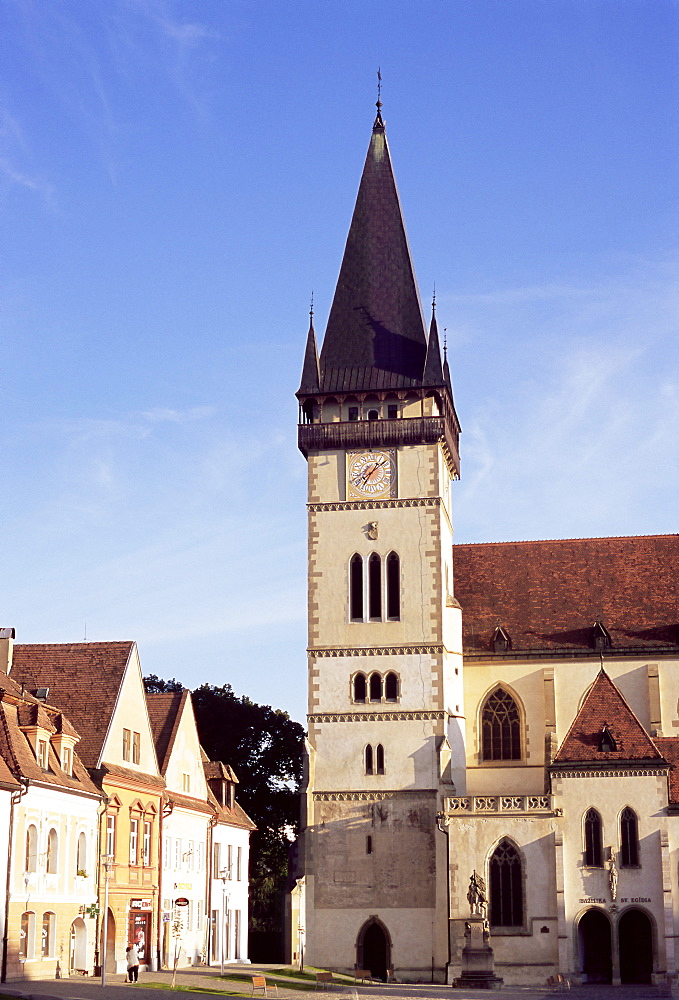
(206, 979)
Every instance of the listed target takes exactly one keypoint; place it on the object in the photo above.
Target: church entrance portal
(635, 943)
(594, 945)
(373, 949)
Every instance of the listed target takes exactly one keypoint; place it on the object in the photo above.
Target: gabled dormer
(600, 636)
(35, 724)
(501, 641)
(63, 741)
(222, 781)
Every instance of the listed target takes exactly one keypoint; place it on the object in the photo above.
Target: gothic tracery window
(360, 688)
(629, 838)
(506, 886)
(393, 587)
(501, 727)
(356, 588)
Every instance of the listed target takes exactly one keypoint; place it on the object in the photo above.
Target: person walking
(132, 963)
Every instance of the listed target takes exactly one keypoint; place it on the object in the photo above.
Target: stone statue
(476, 896)
(613, 878)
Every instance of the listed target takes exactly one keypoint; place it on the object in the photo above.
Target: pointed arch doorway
(594, 946)
(373, 948)
(635, 944)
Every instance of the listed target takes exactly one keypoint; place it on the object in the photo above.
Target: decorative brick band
(623, 772)
(376, 650)
(374, 504)
(376, 716)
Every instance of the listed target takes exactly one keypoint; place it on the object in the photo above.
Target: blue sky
(175, 180)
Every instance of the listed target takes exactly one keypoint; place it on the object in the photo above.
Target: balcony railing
(377, 434)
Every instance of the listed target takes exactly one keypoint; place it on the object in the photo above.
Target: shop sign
(184, 886)
(181, 901)
(140, 904)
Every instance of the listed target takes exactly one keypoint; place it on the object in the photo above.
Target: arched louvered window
(501, 727)
(375, 687)
(391, 686)
(629, 838)
(593, 841)
(374, 587)
(379, 755)
(393, 587)
(360, 687)
(31, 861)
(356, 588)
(506, 886)
(368, 753)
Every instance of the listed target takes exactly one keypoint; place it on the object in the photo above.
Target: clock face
(371, 474)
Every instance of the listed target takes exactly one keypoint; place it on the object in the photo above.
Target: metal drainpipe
(14, 800)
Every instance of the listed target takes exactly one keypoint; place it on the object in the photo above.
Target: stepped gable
(547, 595)
(669, 748)
(605, 711)
(83, 679)
(165, 712)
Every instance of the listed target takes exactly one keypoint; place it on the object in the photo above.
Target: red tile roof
(669, 748)
(83, 678)
(605, 707)
(165, 712)
(548, 594)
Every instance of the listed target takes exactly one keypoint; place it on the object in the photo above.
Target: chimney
(6, 647)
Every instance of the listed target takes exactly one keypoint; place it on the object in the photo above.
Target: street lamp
(225, 876)
(300, 935)
(108, 871)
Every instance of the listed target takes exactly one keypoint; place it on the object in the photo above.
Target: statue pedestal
(478, 961)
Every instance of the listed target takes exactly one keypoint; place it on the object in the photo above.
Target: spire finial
(433, 299)
(378, 103)
(311, 307)
(445, 342)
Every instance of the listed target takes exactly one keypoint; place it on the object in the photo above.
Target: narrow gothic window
(393, 587)
(356, 588)
(629, 838)
(593, 849)
(374, 587)
(368, 845)
(391, 686)
(375, 687)
(380, 758)
(501, 728)
(359, 687)
(506, 886)
(368, 759)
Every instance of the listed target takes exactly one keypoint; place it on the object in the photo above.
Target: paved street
(205, 979)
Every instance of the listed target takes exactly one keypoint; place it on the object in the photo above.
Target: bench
(324, 980)
(362, 975)
(260, 983)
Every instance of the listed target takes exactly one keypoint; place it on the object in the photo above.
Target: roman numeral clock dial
(371, 475)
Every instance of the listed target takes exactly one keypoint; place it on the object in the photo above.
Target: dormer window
(186, 783)
(607, 743)
(601, 638)
(41, 754)
(501, 640)
(67, 760)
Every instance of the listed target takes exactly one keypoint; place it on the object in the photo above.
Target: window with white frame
(191, 858)
(52, 852)
(147, 844)
(31, 860)
(81, 855)
(134, 840)
(178, 853)
(42, 754)
(49, 935)
(167, 853)
(110, 835)
(27, 935)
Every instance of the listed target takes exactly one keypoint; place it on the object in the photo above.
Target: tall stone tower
(386, 732)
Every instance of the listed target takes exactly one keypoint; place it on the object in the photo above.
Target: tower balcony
(346, 434)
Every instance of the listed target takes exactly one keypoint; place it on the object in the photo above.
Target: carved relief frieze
(376, 717)
(377, 650)
(373, 504)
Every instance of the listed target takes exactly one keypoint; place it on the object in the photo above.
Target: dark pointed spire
(433, 371)
(375, 338)
(446, 369)
(311, 381)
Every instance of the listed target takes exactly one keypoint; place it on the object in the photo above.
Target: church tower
(386, 731)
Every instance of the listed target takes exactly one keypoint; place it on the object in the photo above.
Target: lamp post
(108, 869)
(300, 935)
(225, 876)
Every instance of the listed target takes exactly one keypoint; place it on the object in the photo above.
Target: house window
(353, 413)
(177, 854)
(391, 686)
(379, 756)
(374, 588)
(147, 844)
(356, 588)
(48, 942)
(629, 838)
(392, 411)
(375, 687)
(368, 755)
(186, 783)
(31, 862)
(110, 835)
(167, 853)
(190, 856)
(236, 933)
(229, 858)
(189, 916)
(360, 688)
(216, 860)
(52, 851)
(27, 935)
(501, 727)
(42, 754)
(127, 743)
(393, 587)
(81, 855)
(136, 748)
(134, 840)
(593, 839)
(239, 861)
(67, 760)
(368, 844)
(201, 856)
(199, 916)
(506, 886)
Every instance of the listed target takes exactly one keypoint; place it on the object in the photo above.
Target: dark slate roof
(547, 595)
(310, 381)
(604, 707)
(83, 678)
(375, 338)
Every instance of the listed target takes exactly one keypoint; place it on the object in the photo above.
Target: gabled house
(99, 686)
